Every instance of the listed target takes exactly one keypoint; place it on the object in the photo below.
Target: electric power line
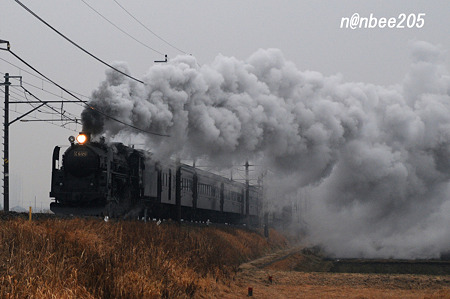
(75, 44)
(120, 29)
(76, 97)
(52, 93)
(38, 119)
(52, 108)
(24, 97)
(148, 29)
(40, 78)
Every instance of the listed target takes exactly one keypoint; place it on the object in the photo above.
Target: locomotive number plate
(80, 154)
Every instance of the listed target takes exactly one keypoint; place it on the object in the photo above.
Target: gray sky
(307, 32)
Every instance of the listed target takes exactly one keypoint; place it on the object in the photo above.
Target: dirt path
(287, 283)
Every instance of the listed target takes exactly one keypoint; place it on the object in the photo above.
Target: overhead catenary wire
(79, 99)
(24, 97)
(120, 29)
(52, 108)
(38, 119)
(76, 45)
(52, 93)
(148, 29)
(46, 104)
(21, 69)
(38, 77)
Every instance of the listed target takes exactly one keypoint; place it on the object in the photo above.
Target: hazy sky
(307, 32)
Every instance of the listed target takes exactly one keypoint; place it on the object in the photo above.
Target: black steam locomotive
(96, 178)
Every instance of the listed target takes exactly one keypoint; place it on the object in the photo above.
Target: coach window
(186, 185)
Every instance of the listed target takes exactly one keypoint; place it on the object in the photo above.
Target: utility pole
(6, 141)
(7, 123)
(6, 147)
(247, 193)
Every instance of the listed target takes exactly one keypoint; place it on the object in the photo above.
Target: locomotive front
(80, 182)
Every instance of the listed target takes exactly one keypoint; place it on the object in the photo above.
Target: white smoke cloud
(371, 161)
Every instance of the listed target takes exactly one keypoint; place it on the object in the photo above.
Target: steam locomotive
(111, 179)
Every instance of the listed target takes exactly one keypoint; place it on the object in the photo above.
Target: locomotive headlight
(82, 138)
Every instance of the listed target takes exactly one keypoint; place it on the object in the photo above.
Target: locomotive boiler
(99, 178)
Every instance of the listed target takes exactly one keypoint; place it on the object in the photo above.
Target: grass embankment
(80, 258)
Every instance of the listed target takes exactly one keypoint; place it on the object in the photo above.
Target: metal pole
(247, 193)
(6, 148)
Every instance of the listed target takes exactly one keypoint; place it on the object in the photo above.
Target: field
(297, 273)
(79, 258)
(91, 258)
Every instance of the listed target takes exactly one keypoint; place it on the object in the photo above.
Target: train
(115, 180)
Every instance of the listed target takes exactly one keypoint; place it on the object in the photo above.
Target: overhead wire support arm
(47, 102)
(51, 120)
(80, 100)
(6, 125)
(7, 44)
(39, 101)
(161, 61)
(25, 114)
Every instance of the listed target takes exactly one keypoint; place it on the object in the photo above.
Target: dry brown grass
(292, 284)
(315, 282)
(80, 258)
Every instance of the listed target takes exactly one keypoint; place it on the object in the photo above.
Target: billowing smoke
(368, 164)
